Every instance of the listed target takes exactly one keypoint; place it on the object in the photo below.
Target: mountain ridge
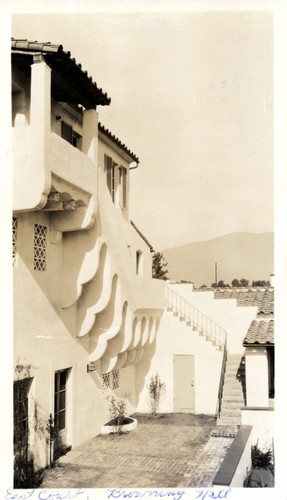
(238, 255)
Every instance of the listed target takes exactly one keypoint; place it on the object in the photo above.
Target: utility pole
(216, 273)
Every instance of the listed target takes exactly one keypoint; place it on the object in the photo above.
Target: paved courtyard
(175, 450)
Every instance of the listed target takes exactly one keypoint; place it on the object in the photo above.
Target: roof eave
(85, 92)
(266, 344)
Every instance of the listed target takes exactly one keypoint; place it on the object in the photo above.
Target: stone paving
(175, 450)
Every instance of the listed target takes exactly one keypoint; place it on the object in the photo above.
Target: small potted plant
(120, 422)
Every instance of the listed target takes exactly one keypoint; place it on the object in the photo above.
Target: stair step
(232, 388)
(227, 405)
(229, 421)
(232, 396)
(231, 403)
(233, 357)
(230, 414)
(224, 431)
(232, 382)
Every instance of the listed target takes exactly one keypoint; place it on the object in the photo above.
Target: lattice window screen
(14, 239)
(40, 247)
(116, 379)
(106, 382)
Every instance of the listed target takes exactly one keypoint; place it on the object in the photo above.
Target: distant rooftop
(261, 298)
(69, 82)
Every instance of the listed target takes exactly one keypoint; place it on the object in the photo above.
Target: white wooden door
(183, 370)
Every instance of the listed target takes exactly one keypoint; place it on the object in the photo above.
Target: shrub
(118, 412)
(157, 390)
(261, 474)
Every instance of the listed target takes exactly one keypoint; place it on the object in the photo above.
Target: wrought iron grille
(106, 382)
(116, 379)
(40, 247)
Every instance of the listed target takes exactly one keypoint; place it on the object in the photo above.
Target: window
(110, 170)
(123, 183)
(116, 181)
(105, 382)
(116, 379)
(40, 247)
(139, 263)
(70, 135)
(14, 239)
(60, 401)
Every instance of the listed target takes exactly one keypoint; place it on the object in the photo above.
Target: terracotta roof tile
(263, 299)
(62, 62)
(118, 142)
(260, 332)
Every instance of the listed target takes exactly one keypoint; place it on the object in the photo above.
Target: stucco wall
(89, 304)
(45, 337)
(174, 337)
(262, 421)
(225, 312)
(256, 374)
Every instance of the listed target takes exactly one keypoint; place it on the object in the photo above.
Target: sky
(192, 97)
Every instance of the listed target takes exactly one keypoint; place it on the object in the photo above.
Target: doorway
(184, 395)
(60, 412)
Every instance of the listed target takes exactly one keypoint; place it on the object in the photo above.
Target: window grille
(14, 239)
(40, 247)
(116, 379)
(106, 382)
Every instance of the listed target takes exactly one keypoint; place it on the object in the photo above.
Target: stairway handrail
(221, 340)
(221, 382)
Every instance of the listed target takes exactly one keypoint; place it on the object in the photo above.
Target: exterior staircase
(205, 326)
(233, 391)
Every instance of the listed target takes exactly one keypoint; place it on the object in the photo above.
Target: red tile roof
(118, 142)
(260, 333)
(263, 299)
(79, 86)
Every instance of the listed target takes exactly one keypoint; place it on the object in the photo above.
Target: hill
(238, 255)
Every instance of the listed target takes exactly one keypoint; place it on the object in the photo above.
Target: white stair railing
(187, 312)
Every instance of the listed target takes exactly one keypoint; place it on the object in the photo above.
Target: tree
(220, 284)
(159, 266)
(261, 283)
(235, 282)
(244, 282)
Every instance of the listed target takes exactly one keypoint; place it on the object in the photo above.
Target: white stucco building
(85, 306)
(89, 320)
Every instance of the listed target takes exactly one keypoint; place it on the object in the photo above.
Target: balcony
(38, 157)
